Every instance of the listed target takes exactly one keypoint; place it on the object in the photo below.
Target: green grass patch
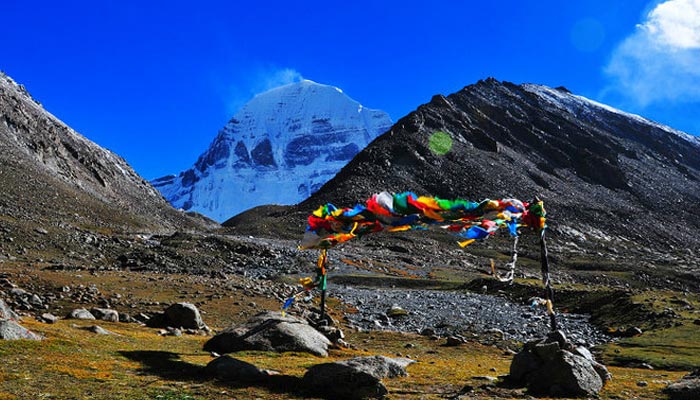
(676, 348)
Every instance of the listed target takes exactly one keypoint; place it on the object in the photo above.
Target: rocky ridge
(610, 180)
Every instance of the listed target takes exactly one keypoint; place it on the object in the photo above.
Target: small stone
(105, 314)
(36, 301)
(396, 312)
(48, 318)
(632, 331)
(98, 330)
(174, 332)
(427, 332)
(642, 384)
(80, 313)
(454, 341)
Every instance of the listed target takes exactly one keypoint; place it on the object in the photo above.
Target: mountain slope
(279, 148)
(612, 182)
(53, 176)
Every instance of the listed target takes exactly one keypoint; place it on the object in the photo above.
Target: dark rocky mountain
(615, 185)
(56, 181)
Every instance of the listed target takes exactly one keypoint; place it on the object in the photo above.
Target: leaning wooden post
(548, 292)
(321, 275)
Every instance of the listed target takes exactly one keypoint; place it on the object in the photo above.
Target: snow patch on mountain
(578, 105)
(281, 147)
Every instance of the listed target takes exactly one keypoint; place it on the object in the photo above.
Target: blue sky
(155, 81)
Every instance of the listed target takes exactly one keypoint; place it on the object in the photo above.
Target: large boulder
(357, 378)
(232, 370)
(688, 388)
(6, 312)
(11, 330)
(179, 315)
(270, 331)
(185, 315)
(553, 366)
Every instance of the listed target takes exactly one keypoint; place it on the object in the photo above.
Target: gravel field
(449, 312)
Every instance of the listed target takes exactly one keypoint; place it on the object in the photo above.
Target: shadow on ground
(170, 366)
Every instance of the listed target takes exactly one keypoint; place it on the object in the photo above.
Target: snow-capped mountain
(280, 148)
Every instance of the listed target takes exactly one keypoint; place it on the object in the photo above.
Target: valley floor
(138, 363)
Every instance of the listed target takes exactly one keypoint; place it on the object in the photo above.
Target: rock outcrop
(553, 366)
(232, 370)
(11, 330)
(357, 378)
(179, 315)
(6, 312)
(688, 388)
(270, 331)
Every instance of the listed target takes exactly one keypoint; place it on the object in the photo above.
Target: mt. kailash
(281, 147)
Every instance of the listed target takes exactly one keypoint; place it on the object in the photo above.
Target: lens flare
(440, 143)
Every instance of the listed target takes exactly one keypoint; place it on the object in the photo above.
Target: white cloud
(254, 81)
(272, 78)
(660, 61)
(675, 24)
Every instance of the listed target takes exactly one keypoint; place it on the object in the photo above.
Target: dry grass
(139, 364)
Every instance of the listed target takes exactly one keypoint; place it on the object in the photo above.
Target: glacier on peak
(279, 148)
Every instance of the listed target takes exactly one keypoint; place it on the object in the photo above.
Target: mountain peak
(279, 148)
(600, 170)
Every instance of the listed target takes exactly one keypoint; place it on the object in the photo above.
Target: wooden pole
(321, 271)
(548, 292)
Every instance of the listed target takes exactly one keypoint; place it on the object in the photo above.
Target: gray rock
(427, 332)
(558, 337)
(632, 331)
(170, 331)
(357, 378)
(583, 352)
(395, 312)
(230, 369)
(6, 312)
(11, 330)
(454, 341)
(270, 331)
(184, 315)
(688, 388)
(333, 333)
(98, 330)
(105, 314)
(35, 300)
(48, 318)
(80, 313)
(124, 317)
(547, 351)
(547, 368)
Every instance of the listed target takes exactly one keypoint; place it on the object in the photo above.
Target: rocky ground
(450, 313)
(398, 298)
